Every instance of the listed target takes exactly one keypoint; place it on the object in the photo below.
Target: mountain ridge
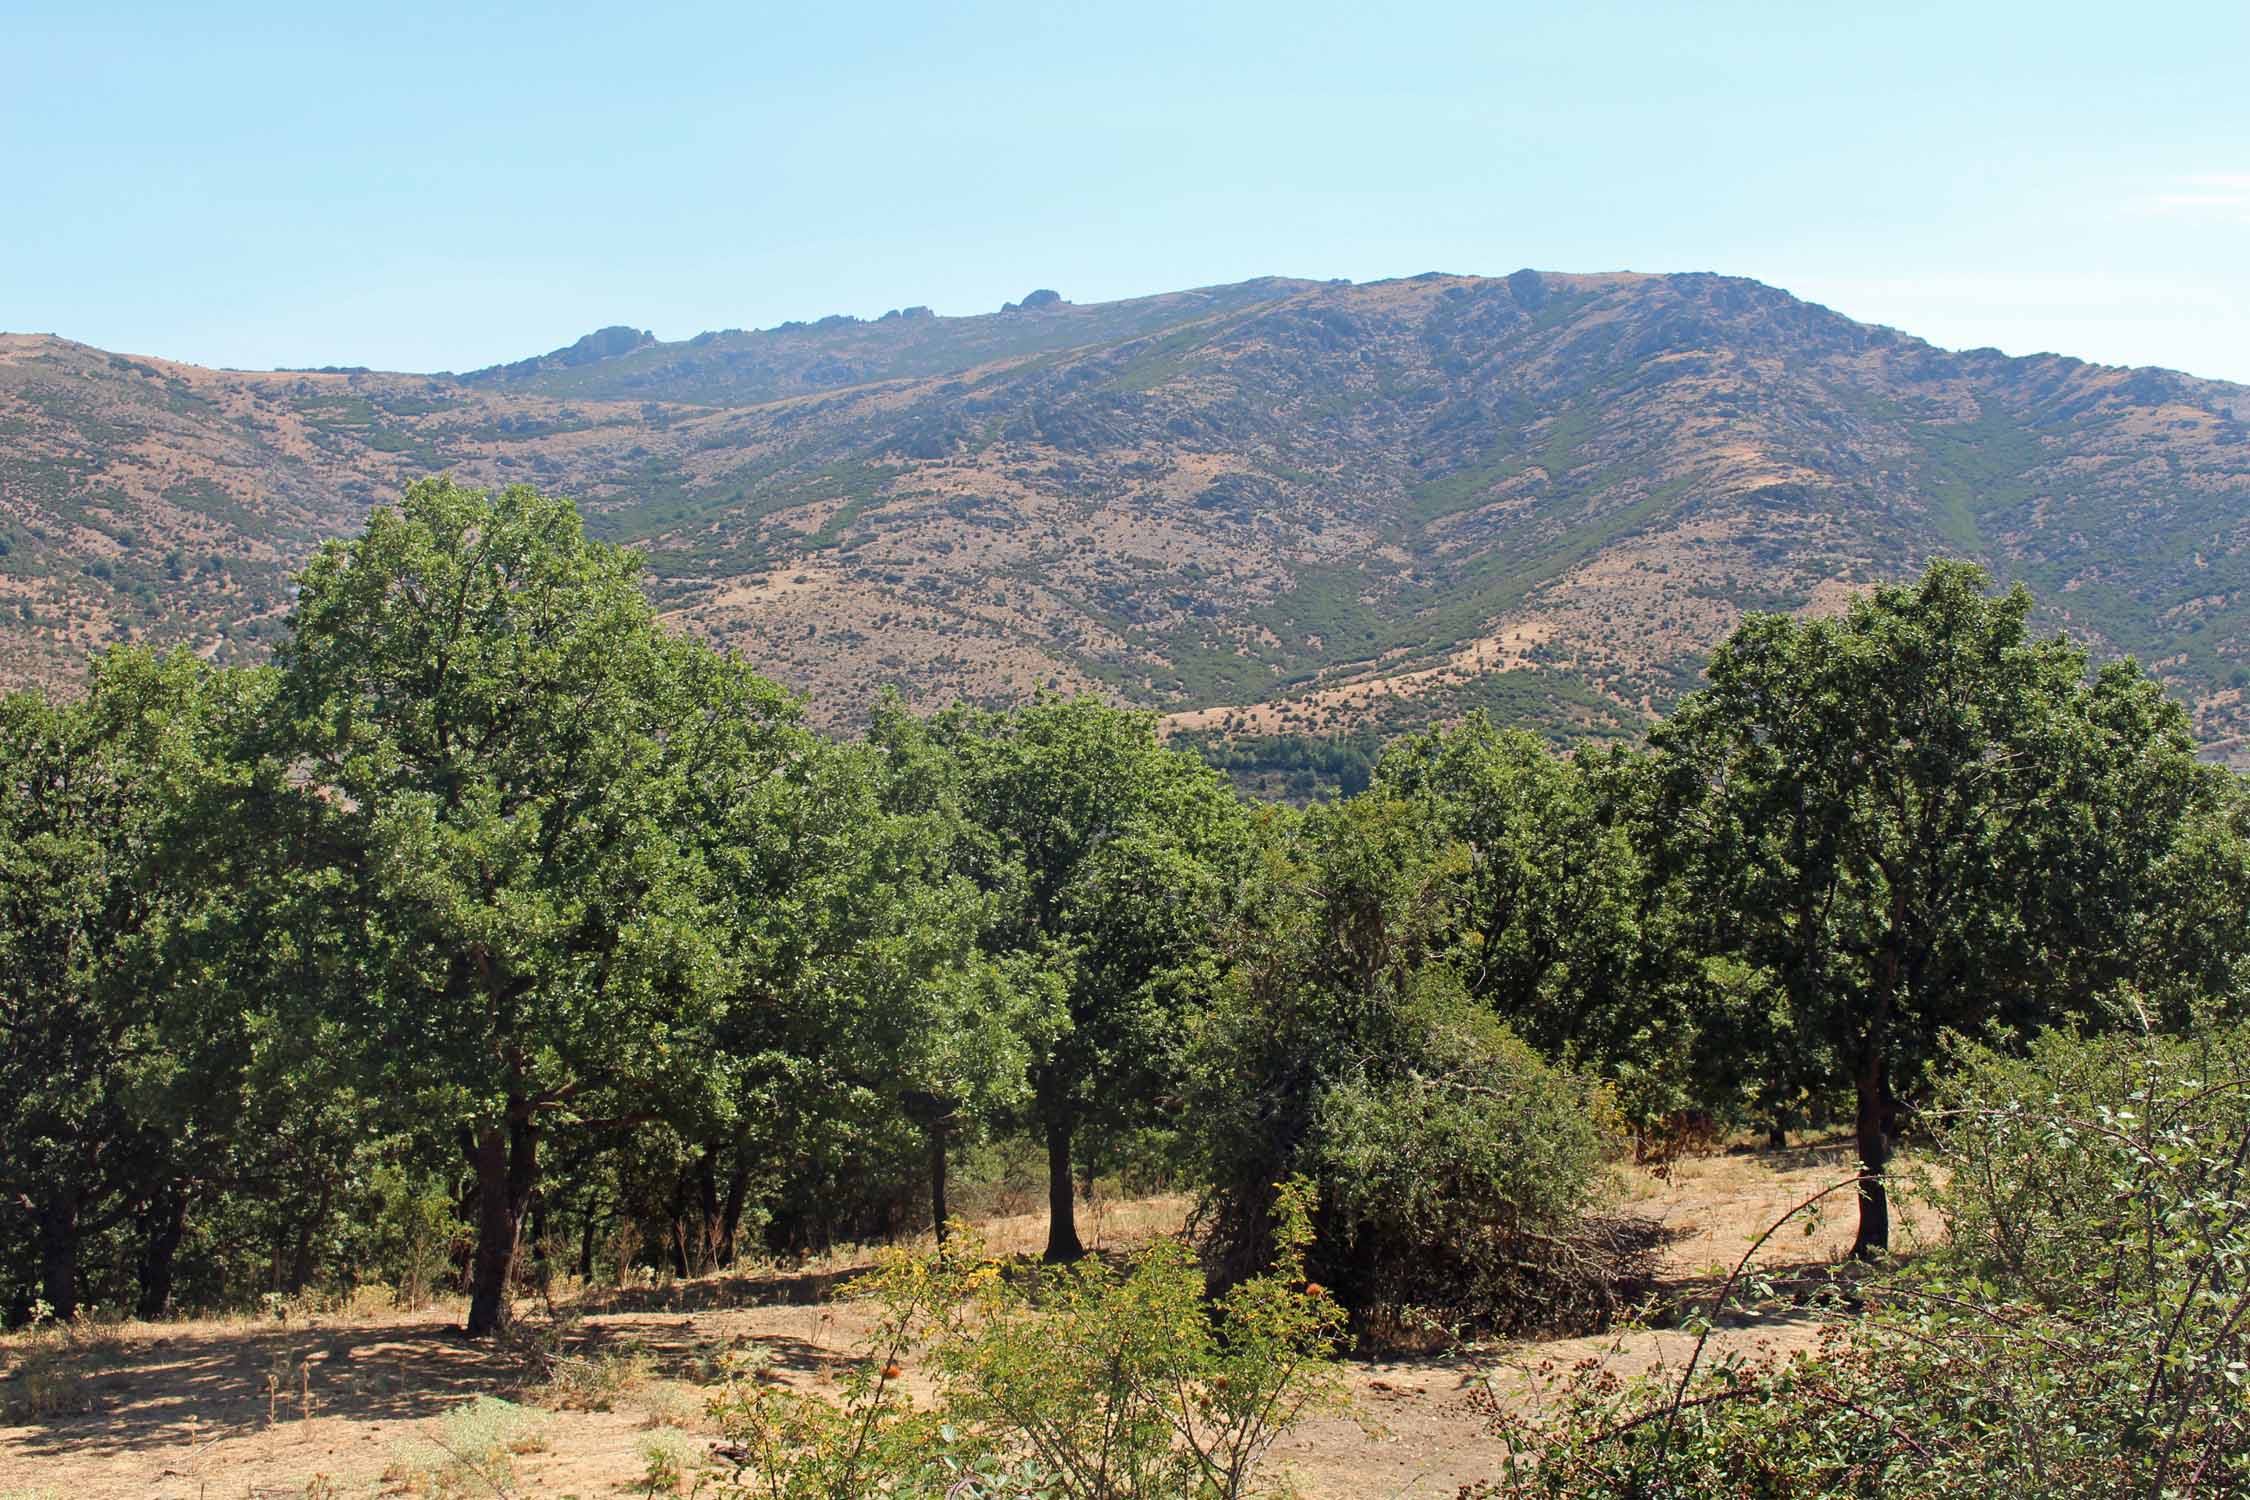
(1280, 505)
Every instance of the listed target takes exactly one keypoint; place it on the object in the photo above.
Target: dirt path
(221, 1409)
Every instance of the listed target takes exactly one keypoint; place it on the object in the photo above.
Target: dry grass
(472, 1450)
(52, 1370)
(190, 1410)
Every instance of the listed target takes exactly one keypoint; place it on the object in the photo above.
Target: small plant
(668, 1457)
(870, 1440)
(473, 1450)
(371, 1299)
(1128, 1385)
(1090, 1383)
(666, 1404)
(593, 1382)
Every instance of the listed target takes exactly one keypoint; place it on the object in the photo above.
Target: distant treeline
(1292, 766)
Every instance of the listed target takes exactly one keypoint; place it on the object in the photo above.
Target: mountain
(1276, 507)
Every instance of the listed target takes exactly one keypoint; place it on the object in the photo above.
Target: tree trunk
(308, 1230)
(730, 1214)
(1062, 1202)
(1873, 1134)
(58, 1253)
(586, 1244)
(163, 1226)
(679, 1223)
(1871, 1081)
(936, 1135)
(507, 1158)
(707, 1232)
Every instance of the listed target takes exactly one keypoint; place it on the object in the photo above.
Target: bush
(668, 1458)
(2086, 1335)
(473, 1450)
(1129, 1385)
(1462, 1187)
(593, 1382)
(1454, 1166)
(2036, 1203)
(1078, 1383)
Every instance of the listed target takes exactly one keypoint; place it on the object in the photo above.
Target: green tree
(92, 887)
(1449, 1159)
(1110, 858)
(900, 1003)
(1916, 817)
(512, 752)
(1552, 912)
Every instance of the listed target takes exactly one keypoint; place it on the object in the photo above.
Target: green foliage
(499, 917)
(1109, 858)
(473, 1449)
(1917, 817)
(2034, 1205)
(1444, 1150)
(1084, 1382)
(98, 802)
(1128, 1384)
(2085, 1334)
(877, 933)
(507, 747)
(1298, 768)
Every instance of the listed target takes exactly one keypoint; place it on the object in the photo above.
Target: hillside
(1280, 506)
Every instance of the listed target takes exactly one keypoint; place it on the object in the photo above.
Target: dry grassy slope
(1287, 505)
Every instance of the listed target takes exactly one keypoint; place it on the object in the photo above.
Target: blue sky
(416, 186)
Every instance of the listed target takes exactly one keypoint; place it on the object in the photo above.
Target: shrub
(667, 1404)
(473, 1450)
(593, 1382)
(869, 1440)
(1454, 1166)
(2085, 1336)
(1078, 1383)
(668, 1457)
(1125, 1385)
(2033, 1201)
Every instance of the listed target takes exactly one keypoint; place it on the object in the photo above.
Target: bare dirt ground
(322, 1405)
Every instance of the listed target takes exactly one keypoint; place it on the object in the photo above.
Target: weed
(667, 1404)
(47, 1370)
(668, 1456)
(593, 1382)
(473, 1450)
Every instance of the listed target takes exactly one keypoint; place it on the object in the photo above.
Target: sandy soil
(255, 1407)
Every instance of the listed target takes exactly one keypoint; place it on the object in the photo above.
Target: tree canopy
(497, 926)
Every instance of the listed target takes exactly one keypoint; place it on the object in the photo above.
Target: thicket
(494, 934)
(2085, 1330)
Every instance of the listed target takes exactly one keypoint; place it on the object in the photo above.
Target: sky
(418, 186)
